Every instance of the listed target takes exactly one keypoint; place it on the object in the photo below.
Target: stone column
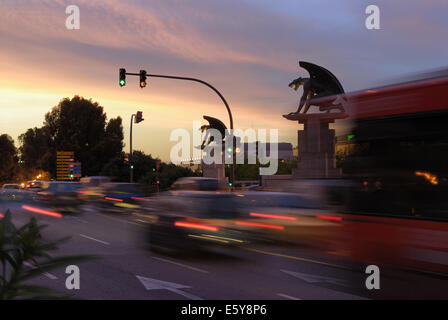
(316, 144)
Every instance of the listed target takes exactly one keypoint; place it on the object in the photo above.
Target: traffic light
(132, 166)
(142, 78)
(229, 152)
(122, 77)
(139, 117)
(126, 158)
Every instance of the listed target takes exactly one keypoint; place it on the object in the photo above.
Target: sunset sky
(248, 49)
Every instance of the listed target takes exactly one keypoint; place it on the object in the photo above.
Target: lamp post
(137, 118)
(123, 74)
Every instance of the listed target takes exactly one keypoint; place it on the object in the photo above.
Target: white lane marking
(287, 297)
(155, 284)
(181, 265)
(311, 278)
(48, 275)
(90, 238)
(78, 219)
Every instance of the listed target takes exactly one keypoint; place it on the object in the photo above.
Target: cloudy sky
(248, 49)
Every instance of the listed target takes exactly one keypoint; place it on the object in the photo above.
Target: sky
(248, 49)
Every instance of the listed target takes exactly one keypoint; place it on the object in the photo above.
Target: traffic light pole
(232, 166)
(131, 160)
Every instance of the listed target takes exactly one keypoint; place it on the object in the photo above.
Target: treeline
(81, 126)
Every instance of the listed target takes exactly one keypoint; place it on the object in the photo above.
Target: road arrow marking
(154, 284)
(287, 296)
(311, 278)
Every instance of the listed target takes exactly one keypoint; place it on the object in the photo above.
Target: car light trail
(259, 225)
(223, 238)
(329, 218)
(207, 238)
(42, 211)
(113, 199)
(192, 225)
(138, 198)
(273, 216)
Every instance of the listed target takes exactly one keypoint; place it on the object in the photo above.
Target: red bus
(396, 211)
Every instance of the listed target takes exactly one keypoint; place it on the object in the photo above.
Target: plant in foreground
(24, 255)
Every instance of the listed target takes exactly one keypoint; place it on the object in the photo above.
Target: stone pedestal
(214, 170)
(316, 144)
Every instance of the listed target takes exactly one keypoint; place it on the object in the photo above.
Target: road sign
(74, 169)
(63, 161)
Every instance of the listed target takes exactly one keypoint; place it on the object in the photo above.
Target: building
(284, 150)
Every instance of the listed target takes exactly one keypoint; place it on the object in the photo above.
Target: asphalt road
(125, 269)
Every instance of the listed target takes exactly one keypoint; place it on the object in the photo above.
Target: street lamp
(143, 72)
(137, 117)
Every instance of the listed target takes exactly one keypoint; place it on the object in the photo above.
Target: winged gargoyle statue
(213, 124)
(321, 83)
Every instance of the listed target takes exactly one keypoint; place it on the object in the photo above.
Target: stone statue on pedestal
(316, 143)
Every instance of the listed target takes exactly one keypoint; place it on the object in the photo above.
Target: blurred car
(93, 188)
(10, 192)
(198, 183)
(189, 220)
(283, 217)
(59, 196)
(11, 186)
(121, 197)
(34, 185)
(194, 214)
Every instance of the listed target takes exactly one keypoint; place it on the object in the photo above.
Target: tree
(35, 150)
(144, 170)
(8, 162)
(77, 125)
(167, 174)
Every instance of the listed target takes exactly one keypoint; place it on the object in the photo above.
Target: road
(125, 269)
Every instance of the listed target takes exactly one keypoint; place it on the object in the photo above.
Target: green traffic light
(122, 82)
(153, 169)
(132, 167)
(230, 184)
(229, 150)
